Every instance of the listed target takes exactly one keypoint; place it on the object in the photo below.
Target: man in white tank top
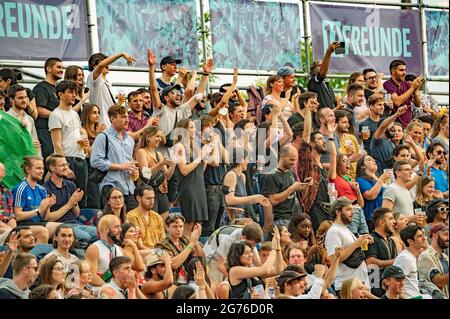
(101, 252)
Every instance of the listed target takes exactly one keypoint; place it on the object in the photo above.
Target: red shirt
(344, 188)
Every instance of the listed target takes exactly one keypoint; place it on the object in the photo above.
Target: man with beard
(19, 103)
(340, 236)
(118, 160)
(382, 251)
(393, 283)
(376, 109)
(101, 252)
(159, 277)
(138, 119)
(415, 241)
(347, 142)
(148, 108)
(437, 154)
(170, 111)
(25, 273)
(402, 93)
(397, 197)
(63, 241)
(374, 82)
(312, 147)
(355, 98)
(294, 284)
(381, 145)
(281, 188)
(68, 196)
(46, 101)
(65, 127)
(150, 222)
(287, 72)
(433, 262)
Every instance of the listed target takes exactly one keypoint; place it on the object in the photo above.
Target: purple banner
(36, 30)
(373, 37)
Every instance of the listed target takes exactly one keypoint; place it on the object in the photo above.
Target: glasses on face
(60, 269)
(116, 197)
(442, 209)
(371, 78)
(440, 152)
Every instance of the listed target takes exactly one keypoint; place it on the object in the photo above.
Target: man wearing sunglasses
(437, 154)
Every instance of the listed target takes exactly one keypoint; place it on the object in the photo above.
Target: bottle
(271, 292)
(331, 190)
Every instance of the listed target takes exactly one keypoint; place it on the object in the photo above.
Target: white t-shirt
(70, 125)
(408, 263)
(401, 197)
(340, 236)
(168, 115)
(225, 242)
(99, 94)
(28, 121)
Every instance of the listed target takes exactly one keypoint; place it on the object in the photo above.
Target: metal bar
(202, 21)
(423, 29)
(388, 4)
(307, 36)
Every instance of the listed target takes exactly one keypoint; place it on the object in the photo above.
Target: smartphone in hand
(340, 49)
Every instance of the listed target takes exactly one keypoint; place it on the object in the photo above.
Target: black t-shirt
(368, 93)
(325, 94)
(298, 118)
(46, 97)
(322, 194)
(382, 250)
(276, 183)
(372, 128)
(294, 90)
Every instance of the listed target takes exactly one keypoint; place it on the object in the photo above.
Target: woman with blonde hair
(354, 288)
(77, 283)
(161, 168)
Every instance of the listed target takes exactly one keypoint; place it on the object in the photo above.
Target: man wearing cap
(293, 284)
(437, 213)
(433, 262)
(287, 72)
(340, 236)
(168, 66)
(159, 276)
(393, 282)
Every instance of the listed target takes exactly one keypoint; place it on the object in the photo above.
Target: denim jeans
(85, 233)
(93, 193)
(80, 169)
(214, 198)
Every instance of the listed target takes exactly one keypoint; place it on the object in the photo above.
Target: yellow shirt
(344, 149)
(152, 229)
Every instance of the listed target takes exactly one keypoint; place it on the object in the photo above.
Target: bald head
(288, 157)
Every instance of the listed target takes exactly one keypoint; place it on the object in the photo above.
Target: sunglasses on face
(442, 209)
(441, 152)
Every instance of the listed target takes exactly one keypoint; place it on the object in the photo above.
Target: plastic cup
(365, 247)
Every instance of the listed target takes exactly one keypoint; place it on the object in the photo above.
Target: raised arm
(326, 59)
(190, 87)
(207, 68)
(387, 122)
(109, 60)
(156, 100)
(333, 153)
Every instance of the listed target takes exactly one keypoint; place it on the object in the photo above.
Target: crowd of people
(170, 192)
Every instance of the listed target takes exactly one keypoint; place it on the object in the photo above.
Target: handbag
(97, 175)
(157, 179)
(355, 259)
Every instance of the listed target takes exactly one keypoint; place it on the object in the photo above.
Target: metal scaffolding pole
(424, 38)
(203, 32)
(307, 36)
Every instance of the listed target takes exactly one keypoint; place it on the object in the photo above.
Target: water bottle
(331, 189)
(271, 292)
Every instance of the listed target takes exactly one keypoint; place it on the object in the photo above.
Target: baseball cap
(169, 60)
(341, 202)
(289, 275)
(438, 228)
(169, 88)
(153, 260)
(285, 71)
(393, 272)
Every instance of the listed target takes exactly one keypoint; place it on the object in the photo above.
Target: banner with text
(438, 43)
(255, 35)
(373, 37)
(167, 27)
(36, 30)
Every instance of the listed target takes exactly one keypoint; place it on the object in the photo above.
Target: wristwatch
(38, 213)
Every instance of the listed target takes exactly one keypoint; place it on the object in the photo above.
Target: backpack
(226, 230)
(256, 96)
